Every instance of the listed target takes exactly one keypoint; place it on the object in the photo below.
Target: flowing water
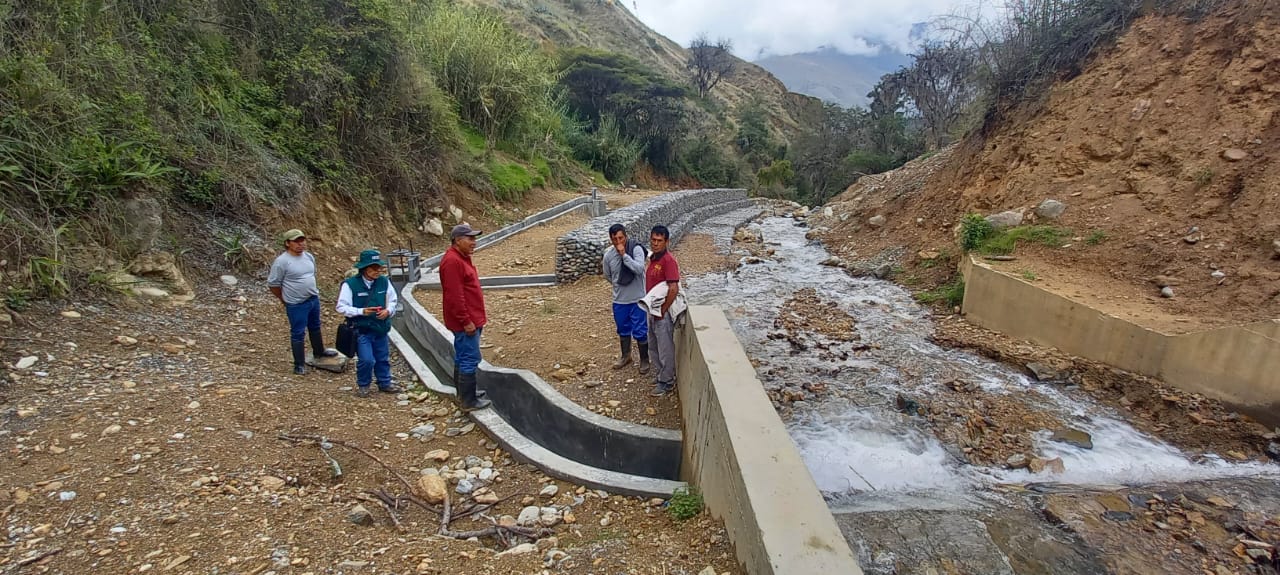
(864, 454)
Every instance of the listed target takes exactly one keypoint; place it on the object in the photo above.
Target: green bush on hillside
(510, 180)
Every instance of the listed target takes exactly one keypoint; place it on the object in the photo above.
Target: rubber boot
(299, 357)
(480, 393)
(467, 393)
(644, 357)
(317, 346)
(624, 343)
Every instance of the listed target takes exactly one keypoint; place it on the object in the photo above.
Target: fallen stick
(864, 479)
(41, 556)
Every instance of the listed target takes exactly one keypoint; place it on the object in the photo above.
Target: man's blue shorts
(631, 321)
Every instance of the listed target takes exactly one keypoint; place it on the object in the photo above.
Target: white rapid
(853, 439)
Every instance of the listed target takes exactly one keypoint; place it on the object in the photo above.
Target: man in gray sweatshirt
(624, 266)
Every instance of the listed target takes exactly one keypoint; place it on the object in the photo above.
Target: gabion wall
(578, 252)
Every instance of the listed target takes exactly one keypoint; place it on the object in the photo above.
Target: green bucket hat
(369, 258)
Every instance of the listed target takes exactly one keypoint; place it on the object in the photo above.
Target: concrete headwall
(741, 456)
(1239, 365)
(578, 252)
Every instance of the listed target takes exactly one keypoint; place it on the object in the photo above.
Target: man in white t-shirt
(293, 281)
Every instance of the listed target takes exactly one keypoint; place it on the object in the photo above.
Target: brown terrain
(148, 438)
(1162, 150)
(1172, 129)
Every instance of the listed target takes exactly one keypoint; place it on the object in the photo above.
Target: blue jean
(466, 351)
(302, 317)
(631, 320)
(373, 356)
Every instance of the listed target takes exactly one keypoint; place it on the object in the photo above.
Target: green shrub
(707, 162)
(510, 180)
(685, 503)
(779, 173)
(974, 229)
(951, 294)
(606, 149)
(1096, 237)
(1005, 241)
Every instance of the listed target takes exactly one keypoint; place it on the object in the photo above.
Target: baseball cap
(463, 230)
(293, 235)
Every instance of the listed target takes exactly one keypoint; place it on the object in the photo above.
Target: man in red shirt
(662, 268)
(464, 313)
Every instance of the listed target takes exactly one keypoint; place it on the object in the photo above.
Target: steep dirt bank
(1163, 152)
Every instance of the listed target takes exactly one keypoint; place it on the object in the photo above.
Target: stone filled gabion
(578, 252)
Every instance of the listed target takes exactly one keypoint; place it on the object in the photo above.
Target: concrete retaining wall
(1239, 365)
(740, 455)
(578, 252)
(614, 455)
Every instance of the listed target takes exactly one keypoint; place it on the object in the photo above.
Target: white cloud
(764, 27)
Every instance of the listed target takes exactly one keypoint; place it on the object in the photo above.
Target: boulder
(1074, 437)
(1050, 209)
(432, 488)
(456, 212)
(160, 268)
(1005, 220)
(1166, 292)
(528, 516)
(434, 227)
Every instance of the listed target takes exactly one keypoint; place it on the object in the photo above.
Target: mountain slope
(610, 26)
(1163, 150)
(833, 76)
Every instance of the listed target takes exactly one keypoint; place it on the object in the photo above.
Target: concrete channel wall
(584, 204)
(737, 451)
(578, 252)
(1239, 365)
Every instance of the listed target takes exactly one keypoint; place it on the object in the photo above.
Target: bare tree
(709, 63)
(941, 85)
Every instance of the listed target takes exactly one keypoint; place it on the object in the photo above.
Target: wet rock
(907, 406)
(1273, 450)
(1050, 209)
(1005, 220)
(1166, 292)
(1043, 372)
(1017, 461)
(1074, 437)
(877, 221)
(360, 516)
(833, 261)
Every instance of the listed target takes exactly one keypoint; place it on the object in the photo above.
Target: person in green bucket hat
(370, 301)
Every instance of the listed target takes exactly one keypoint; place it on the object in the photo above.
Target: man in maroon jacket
(464, 313)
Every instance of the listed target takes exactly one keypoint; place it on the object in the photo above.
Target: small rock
(1043, 372)
(520, 549)
(833, 261)
(352, 564)
(487, 498)
(1234, 154)
(1165, 281)
(425, 430)
(1005, 220)
(563, 374)
(528, 516)
(549, 491)
(465, 486)
(360, 516)
(434, 227)
(1050, 209)
(193, 405)
(1273, 450)
(1118, 516)
(1166, 292)
(1073, 437)
(271, 482)
(1017, 461)
(928, 255)
(1193, 239)
(26, 362)
(827, 212)
(1275, 248)
(66, 495)
(229, 280)
(72, 314)
(708, 571)
(125, 340)
(1218, 501)
(877, 221)
(111, 430)
(1218, 274)
(432, 488)
(438, 455)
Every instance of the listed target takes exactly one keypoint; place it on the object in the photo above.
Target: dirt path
(527, 326)
(162, 454)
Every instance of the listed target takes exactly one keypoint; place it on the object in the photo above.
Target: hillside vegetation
(130, 127)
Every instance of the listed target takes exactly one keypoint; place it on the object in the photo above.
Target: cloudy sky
(779, 27)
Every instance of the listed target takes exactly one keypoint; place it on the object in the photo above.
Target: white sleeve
(344, 302)
(392, 298)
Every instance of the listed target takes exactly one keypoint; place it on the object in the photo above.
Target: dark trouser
(304, 317)
(373, 358)
(662, 349)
